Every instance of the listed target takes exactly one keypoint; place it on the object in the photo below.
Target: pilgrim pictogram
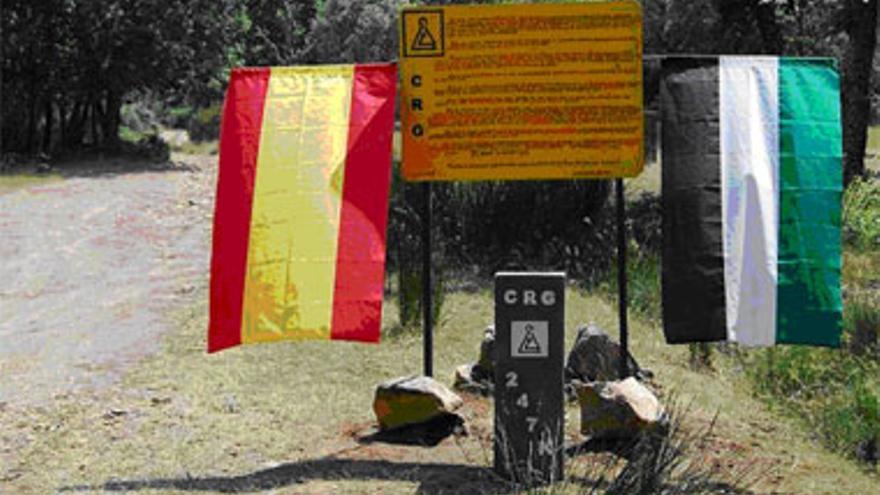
(424, 40)
(529, 344)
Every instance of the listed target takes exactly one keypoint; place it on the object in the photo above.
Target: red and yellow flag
(302, 205)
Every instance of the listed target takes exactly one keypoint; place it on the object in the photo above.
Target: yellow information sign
(513, 92)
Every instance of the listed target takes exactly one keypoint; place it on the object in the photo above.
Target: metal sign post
(427, 289)
(530, 341)
(622, 298)
(471, 109)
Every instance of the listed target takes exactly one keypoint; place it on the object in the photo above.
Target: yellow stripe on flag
(291, 261)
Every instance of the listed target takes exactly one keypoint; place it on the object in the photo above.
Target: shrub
(177, 117)
(861, 214)
(834, 392)
(204, 124)
(138, 117)
(409, 297)
(861, 322)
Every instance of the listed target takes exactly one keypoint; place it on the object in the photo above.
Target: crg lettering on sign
(529, 297)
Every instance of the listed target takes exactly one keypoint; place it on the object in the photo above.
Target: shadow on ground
(91, 164)
(428, 434)
(120, 165)
(433, 479)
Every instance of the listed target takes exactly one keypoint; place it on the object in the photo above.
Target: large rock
(412, 400)
(479, 377)
(485, 367)
(467, 378)
(618, 409)
(596, 357)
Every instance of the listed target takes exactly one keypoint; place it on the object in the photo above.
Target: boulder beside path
(618, 409)
(595, 357)
(479, 377)
(413, 400)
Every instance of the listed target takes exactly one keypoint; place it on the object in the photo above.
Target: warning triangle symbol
(529, 344)
(424, 40)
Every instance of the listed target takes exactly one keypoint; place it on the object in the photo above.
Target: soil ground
(107, 387)
(92, 263)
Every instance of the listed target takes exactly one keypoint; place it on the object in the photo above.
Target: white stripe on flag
(749, 127)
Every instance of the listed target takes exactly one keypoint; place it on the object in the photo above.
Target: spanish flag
(302, 204)
(752, 185)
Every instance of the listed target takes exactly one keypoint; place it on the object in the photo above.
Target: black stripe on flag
(693, 260)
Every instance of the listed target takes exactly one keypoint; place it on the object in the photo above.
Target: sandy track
(92, 267)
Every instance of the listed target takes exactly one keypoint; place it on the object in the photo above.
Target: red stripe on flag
(239, 148)
(360, 261)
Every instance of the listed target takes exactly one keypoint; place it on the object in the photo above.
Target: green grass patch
(874, 139)
(861, 214)
(872, 150)
(832, 392)
(643, 285)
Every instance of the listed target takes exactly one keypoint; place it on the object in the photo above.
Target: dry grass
(16, 181)
(872, 152)
(648, 182)
(283, 417)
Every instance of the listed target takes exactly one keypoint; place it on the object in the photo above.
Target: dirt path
(91, 267)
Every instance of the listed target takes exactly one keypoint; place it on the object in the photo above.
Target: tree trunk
(62, 121)
(47, 131)
(856, 101)
(94, 123)
(111, 119)
(75, 130)
(739, 18)
(32, 123)
(734, 25)
(765, 13)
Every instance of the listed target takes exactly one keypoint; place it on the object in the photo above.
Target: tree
(843, 29)
(68, 64)
(276, 30)
(858, 19)
(748, 26)
(363, 31)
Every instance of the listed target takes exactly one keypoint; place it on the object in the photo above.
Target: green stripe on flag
(809, 306)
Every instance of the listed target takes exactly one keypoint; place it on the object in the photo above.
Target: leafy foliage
(275, 30)
(861, 214)
(364, 31)
(68, 65)
(843, 29)
(836, 393)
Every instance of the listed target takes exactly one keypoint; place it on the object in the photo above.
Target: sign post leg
(621, 279)
(427, 309)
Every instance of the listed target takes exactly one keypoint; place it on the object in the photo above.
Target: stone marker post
(530, 340)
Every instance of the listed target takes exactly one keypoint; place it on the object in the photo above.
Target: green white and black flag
(752, 185)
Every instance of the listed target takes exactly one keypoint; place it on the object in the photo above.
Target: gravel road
(92, 269)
